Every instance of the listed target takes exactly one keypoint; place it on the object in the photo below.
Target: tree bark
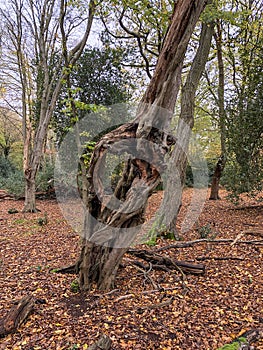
(16, 316)
(171, 204)
(214, 193)
(30, 193)
(109, 232)
(219, 168)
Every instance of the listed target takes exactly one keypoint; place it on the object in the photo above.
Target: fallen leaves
(203, 313)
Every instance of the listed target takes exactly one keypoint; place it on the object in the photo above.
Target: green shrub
(14, 183)
(12, 179)
(6, 167)
(45, 177)
(74, 286)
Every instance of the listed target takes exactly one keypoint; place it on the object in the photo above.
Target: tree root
(71, 269)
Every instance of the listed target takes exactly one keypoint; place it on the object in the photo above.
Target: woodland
(131, 172)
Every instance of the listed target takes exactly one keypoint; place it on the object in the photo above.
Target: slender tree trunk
(214, 193)
(219, 168)
(30, 190)
(108, 232)
(167, 215)
(48, 90)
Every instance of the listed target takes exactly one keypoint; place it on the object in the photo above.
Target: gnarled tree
(110, 228)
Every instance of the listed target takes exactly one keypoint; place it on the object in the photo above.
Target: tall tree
(244, 106)
(104, 241)
(220, 165)
(38, 31)
(167, 215)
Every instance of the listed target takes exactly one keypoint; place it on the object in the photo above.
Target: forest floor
(201, 312)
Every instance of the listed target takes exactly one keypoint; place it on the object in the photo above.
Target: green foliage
(74, 347)
(45, 177)
(204, 231)
(74, 286)
(213, 12)
(86, 156)
(10, 136)
(235, 345)
(14, 183)
(97, 80)
(159, 229)
(42, 220)
(244, 171)
(12, 179)
(6, 167)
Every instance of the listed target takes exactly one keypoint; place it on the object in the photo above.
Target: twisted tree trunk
(110, 227)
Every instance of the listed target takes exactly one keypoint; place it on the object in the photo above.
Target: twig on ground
(146, 274)
(155, 306)
(202, 258)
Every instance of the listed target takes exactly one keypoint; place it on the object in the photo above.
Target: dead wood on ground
(158, 261)
(17, 315)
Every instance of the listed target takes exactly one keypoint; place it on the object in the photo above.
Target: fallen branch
(104, 343)
(151, 291)
(5, 195)
(17, 315)
(238, 237)
(124, 297)
(146, 274)
(155, 306)
(205, 240)
(202, 258)
(159, 260)
(255, 232)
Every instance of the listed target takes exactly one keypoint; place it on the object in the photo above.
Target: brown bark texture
(177, 166)
(17, 315)
(214, 193)
(111, 227)
(219, 168)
